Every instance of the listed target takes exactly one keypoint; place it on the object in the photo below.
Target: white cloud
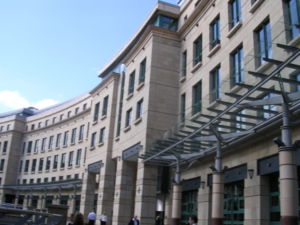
(14, 100)
(44, 103)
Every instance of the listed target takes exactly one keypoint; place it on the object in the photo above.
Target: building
(183, 123)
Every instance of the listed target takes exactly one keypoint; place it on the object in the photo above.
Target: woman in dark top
(79, 220)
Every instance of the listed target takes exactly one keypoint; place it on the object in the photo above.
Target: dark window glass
(237, 66)
(215, 89)
(197, 46)
(33, 165)
(131, 82)
(96, 111)
(294, 17)
(29, 147)
(93, 140)
(197, 98)
(234, 12)
(128, 118)
(81, 131)
(215, 32)
(105, 106)
(139, 109)
(184, 64)
(101, 136)
(142, 71)
(264, 41)
(182, 108)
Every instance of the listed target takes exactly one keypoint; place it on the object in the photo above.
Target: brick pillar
(176, 204)
(87, 194)
(106, 191)
(145, 200)
(124, 192)
(218, 198)
(256, 195)
(204, 205)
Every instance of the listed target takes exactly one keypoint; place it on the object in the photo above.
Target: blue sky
(52, 50)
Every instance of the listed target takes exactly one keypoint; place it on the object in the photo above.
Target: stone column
(288, 187)
(256, 195)
(106, 190)
(287, 172)
(218, 198)
(88, 193)
(71, 204)
(40, 202)
(204, 205)
(25, 202)
(176, 204)
(124, 192)
(145, 200)
(17, 198)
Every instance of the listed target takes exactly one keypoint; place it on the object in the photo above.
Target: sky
(52, 50)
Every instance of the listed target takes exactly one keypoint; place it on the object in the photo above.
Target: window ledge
(214, 50)
(92, 147)
(196, 67)
(256, 5)
(103, 117)
(28, 153)
(80, 141)
(77, 166)
(54, 170)
(47, 171)
(33, 153)
(140, 86)
(196, 115)
(63, 168)
(65, 146)
(70, 167)
(234, 29)
(129, 96)
(100, 144)
(95, 122)
(127, 128)
(72, 143)
(117, 138)
(57, 148)
(32, 172)
(4, 153)
(182, 79)
(295, 41)
(137, 121)
(50, 150)
(264, 67)
(40, 171)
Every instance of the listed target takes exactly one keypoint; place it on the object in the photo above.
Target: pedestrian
(72, 218)
(92, 218)
(157, 220)
(78, 220)
(134, 221)
(193, 220)
(103, 219)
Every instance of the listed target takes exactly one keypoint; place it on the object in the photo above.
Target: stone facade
(84, 153)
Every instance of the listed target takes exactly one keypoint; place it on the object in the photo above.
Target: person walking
(78, 220)
(193, 220)
(103, 219)
(134, 221)
(92, 218)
